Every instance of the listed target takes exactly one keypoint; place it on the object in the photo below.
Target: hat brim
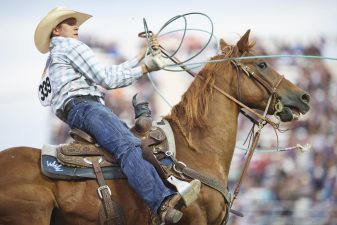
(48, 23)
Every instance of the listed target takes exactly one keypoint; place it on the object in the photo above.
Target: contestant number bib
(45, 91)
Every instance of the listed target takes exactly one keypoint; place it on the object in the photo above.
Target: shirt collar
(55, 41)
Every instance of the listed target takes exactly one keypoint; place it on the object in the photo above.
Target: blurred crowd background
(281, 188)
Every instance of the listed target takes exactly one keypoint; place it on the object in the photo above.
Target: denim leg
(113, 135)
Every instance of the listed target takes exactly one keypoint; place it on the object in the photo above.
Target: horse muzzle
(292, 109)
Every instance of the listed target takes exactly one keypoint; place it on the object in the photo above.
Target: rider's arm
(109, 77)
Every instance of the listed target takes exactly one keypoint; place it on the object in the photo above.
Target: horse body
(29, 197)
(205, 126)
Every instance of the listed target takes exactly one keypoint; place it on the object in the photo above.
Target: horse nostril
(305, 98)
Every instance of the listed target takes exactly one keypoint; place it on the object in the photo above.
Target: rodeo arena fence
(287, 187)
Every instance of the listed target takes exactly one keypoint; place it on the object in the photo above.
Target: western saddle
(85, 152)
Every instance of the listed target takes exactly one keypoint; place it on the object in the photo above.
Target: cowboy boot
(170, 209)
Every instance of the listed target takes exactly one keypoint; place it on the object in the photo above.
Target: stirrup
(188, 191)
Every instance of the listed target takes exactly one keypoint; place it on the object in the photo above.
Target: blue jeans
(114, 136)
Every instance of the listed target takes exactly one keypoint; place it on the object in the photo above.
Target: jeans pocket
(75, 118)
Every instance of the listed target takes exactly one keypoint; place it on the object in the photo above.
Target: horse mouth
(289, 113)
(296, 113)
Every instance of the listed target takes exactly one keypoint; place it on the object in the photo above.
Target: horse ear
(243, 43)
(223, 44)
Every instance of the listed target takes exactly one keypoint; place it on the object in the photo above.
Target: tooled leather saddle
(84, 150)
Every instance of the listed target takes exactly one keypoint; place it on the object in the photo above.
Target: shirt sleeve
(109, 77)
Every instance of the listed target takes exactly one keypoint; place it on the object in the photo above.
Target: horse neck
(220, 137)
(217, 141)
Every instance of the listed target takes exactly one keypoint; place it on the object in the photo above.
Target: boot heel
(170, 215)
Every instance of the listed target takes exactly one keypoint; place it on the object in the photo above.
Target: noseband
(274, 99)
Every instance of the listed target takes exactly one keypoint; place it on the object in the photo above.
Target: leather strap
(210, 182)
(247, 162)
(113, 213)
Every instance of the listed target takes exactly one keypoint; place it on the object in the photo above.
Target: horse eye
(262, 65)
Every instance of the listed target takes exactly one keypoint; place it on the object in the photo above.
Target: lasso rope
(211, 33)
(255, 57)
(190, 66)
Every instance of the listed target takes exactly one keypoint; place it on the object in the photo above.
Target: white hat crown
(50, 21)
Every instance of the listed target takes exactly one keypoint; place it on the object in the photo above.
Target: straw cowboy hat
(49, 22)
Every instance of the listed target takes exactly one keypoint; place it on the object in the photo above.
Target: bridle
(274, 99)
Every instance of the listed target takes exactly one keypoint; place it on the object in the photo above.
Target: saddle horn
(142, 115)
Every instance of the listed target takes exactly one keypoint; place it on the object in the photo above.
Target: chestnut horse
(205, 117)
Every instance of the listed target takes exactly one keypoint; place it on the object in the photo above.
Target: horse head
(259, 86)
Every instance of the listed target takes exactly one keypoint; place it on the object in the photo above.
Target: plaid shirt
(74, 70)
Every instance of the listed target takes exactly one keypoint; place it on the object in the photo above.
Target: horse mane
(193, 108)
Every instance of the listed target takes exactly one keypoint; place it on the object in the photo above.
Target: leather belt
(63, 113)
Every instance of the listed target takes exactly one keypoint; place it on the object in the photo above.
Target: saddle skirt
(74, 160)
